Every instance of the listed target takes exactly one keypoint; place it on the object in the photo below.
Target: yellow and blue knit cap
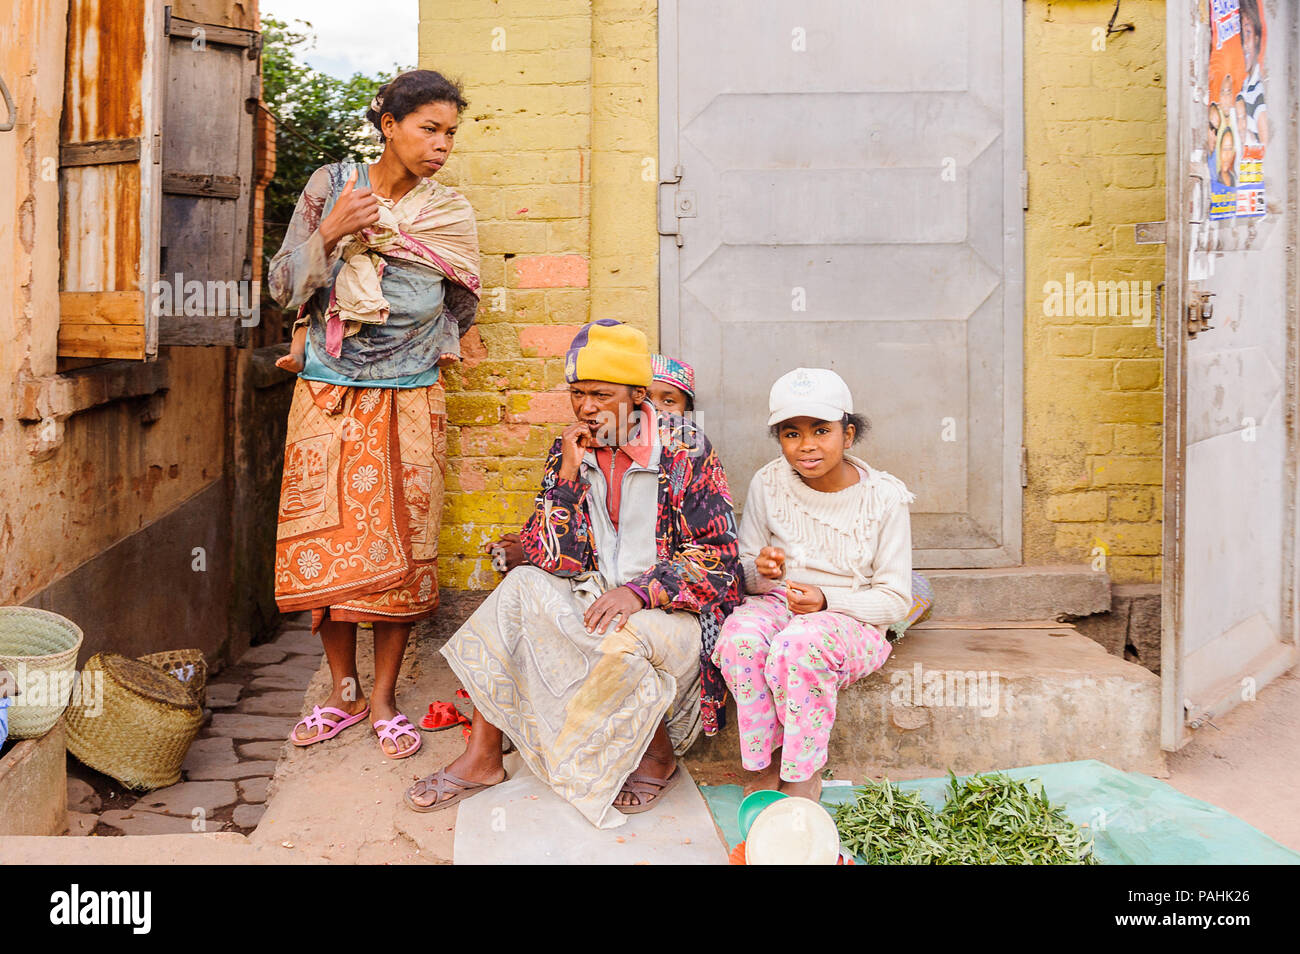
(608, 350)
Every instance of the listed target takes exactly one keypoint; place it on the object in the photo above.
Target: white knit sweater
(854, 544)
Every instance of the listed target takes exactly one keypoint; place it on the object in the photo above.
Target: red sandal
(442, 715)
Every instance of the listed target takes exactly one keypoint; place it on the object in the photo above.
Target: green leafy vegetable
(987, 820)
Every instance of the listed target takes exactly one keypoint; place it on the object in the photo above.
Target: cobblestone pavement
(255, 704)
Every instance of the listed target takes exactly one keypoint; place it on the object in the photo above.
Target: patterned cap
(671, 371)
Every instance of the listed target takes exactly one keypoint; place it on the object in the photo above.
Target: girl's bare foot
(290, 362)
(766, 779)
(809, 788)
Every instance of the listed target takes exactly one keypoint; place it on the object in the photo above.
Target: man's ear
(638, 394)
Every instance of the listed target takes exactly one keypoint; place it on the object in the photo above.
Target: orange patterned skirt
(361, 502)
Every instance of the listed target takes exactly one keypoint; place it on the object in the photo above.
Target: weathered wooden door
(843, 189)
(1230, 342)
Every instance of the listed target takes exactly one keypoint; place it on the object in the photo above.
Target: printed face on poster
(1237, 127)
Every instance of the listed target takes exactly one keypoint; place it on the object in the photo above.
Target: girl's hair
(407, 92)
(860, 426)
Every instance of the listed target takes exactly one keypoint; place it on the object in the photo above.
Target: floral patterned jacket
(698, 566)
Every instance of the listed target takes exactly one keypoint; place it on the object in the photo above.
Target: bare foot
(290, 362)
(766, 779)
(809, 788)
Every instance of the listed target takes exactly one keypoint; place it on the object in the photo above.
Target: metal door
(1230, 357)
(843, 189)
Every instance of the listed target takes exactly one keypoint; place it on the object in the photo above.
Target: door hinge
(1024, 188)
(1024, 466)
(1149, 233)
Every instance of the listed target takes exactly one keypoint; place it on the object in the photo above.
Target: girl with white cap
(826, 550)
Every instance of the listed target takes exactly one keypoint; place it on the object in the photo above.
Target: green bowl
(753, 806)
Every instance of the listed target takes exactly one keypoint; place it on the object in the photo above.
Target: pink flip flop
(317, 720)
(393, 729)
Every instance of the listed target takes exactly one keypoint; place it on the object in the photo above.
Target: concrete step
(981, 700)
(1018, 592)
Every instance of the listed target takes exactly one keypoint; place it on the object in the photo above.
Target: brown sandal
(648, 790)
(437, 784)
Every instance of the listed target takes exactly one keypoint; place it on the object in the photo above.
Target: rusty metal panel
(103, 92)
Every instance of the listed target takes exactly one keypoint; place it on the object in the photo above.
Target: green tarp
(1134, 819)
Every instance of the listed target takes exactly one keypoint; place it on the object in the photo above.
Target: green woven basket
(38, 647)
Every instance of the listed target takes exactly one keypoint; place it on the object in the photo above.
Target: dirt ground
(1250, 764)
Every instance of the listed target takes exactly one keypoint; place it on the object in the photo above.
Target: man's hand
(514, 550)
(770, 562)
(353, 210)
(616, 604)
(804, 598)
(574, 442)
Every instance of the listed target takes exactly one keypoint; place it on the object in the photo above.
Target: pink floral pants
(785, 672)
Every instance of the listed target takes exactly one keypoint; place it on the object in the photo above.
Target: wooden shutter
(213, 84)
(110, 179)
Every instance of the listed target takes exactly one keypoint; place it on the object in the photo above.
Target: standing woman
(383, 265)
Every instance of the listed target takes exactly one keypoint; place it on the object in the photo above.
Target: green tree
(319, 119)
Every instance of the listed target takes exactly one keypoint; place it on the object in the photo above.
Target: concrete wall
(552, 150)
(563, 106)
(1095, 153)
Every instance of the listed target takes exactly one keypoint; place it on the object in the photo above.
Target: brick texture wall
(1095, 153)
(551, 153)
(557, 155)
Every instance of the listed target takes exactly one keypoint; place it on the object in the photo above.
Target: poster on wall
(1237, 131)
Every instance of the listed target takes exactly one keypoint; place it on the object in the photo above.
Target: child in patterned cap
(673, 388)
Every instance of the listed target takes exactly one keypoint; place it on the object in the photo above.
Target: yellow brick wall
(551, 153)
(1095, 153)
(556, 153)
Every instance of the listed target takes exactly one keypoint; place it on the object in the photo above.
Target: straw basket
(187, 665)
(145, 728)
(44, 646)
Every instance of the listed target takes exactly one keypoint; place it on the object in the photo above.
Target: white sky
(368, 37)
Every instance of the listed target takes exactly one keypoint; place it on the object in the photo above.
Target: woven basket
(187, 665)
(40, 644)
(147, 724)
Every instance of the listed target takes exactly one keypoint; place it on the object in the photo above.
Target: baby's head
(672, 389)
(811, 415)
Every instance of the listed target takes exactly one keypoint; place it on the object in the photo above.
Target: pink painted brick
(546, 340)
(472, 474)
(545, 407)
(472, 349)
(551, 271)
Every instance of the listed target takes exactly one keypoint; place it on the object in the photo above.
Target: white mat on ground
(521, 821)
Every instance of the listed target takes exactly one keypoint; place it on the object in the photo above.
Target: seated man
(589, 657)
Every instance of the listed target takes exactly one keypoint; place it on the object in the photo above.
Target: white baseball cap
(809, 392)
